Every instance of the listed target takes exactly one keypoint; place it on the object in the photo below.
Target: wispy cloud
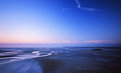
(79, 5)
(70, 42)
(99, 41)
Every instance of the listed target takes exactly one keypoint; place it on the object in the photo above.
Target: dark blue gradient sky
(60, 21)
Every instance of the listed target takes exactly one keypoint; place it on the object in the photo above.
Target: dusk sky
(60, 21)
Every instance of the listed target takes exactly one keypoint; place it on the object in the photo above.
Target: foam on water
(16, 56)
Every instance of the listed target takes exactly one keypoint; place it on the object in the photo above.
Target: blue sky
(60, 21)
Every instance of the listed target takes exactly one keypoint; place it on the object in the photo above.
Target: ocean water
(60, 60)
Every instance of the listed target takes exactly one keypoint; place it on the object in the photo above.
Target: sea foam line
(23, 57)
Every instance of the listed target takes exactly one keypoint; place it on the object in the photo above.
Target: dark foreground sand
(57, 66)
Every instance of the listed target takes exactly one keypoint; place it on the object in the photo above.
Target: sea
(60, 60)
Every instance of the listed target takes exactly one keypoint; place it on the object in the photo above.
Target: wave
(8, 57)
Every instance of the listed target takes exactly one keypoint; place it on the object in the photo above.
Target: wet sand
(58, 66)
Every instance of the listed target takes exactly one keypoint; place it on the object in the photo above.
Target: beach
(60, 60)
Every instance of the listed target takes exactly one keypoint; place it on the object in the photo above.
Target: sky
(60, 21)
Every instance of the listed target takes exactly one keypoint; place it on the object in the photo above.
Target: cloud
(84, 8)
(99, 41)
(78, 4)
(70, 42)
(89, 41)
(66, 41)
